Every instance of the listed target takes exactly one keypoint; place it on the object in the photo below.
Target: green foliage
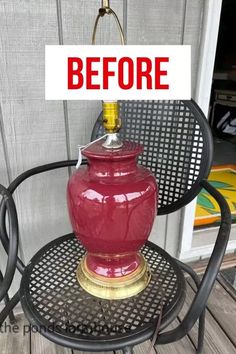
(220, 185)
(204, 201)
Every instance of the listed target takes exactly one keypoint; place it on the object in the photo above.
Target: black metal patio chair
(178, 149)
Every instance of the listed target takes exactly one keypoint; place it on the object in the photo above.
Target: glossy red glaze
(112, 206)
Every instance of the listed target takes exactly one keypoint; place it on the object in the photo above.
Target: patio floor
(220, 335)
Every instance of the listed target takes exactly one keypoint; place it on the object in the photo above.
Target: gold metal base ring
(114, 288)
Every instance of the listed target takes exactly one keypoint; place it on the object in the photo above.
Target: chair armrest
(9, 204)
(211, 272)
(13, 186)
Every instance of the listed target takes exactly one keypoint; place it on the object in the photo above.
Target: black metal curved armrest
(12, 187)
(10, 243)
(9, 204)
(211, 272)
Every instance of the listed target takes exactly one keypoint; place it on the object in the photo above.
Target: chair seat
(53, 300)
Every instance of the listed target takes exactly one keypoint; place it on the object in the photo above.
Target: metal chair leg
(11, 313)
(201, 321)
(128, 350)
(6, 301)
(201, 332)
(9, 307)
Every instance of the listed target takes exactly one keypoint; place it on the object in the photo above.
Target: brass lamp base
(114, 288)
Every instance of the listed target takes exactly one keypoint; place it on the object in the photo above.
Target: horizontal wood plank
(34, 128)
(184, 345)
(216, 341)
(192, 32)
(200, 266)
(13, 339)
(223, 309)
(155, 22)
(228, 287)
(79, 352)
(41, 345)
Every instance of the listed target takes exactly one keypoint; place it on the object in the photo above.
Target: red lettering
(159, 73)
(141, 72)
(130, 71)
(144, 72)
(90, 73)
(106, 71)
(75, 72)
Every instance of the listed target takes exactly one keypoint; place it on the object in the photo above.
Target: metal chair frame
(204, 286)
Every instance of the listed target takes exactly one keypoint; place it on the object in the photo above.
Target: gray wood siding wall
(35, 131)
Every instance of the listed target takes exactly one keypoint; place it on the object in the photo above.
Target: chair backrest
(177, 143)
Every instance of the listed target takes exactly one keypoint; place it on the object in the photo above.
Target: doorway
(222, 119)
(199, 242)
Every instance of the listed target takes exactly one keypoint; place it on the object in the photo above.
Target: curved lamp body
(112, 204)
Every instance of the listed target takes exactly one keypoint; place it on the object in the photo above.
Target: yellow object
(114, 288)
(111, 119)
(223, 178)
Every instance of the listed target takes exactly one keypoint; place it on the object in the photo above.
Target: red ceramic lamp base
(112, 204)
(114, 288)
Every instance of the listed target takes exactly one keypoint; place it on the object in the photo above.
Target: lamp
(112, 204)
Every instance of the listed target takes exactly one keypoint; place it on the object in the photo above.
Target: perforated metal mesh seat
(177, 145)
(53, 299)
